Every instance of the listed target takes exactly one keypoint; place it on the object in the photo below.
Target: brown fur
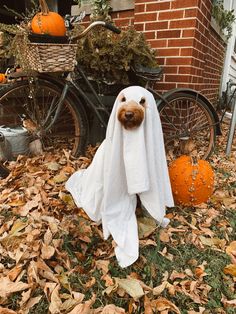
(131, 114)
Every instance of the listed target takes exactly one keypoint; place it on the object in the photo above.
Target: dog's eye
(123, 99)
(142, 101)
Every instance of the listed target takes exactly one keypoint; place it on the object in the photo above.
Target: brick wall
(188, 48)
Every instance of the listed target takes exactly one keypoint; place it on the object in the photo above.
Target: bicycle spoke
(187, 123)
(34, 105)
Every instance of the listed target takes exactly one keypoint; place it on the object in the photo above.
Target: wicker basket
(48, 57)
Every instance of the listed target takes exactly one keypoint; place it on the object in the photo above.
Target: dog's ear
(122, 98)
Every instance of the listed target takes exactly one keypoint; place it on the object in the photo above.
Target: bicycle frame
(98, 108)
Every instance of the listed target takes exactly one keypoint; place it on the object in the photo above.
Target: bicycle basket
(48, 57)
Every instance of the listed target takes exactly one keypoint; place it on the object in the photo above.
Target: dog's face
(131, 113)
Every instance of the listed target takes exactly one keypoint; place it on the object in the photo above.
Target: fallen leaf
(213, 242)
(231, 251)
(68, 199)
(146, 226)
(131, 286)
(230, 270)
(32, 302)
(34, 203)
(201, 311)
(228, 303)
(55, 302)
(60, 178)
(147, 306)
(47, 251)
(7, 286)
(47, 238)
(147, 242)
(14, 272)
(53, 165)
(90, 283)
(164, 236)
(110, 309)
(159, 289)
(176, 275)
(108, 280)
(17, 227)
(162, 304)
(103, 266)
(69, 304)
(6, 311)
(83, 308)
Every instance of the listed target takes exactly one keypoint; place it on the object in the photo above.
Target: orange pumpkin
(192, 181)
(2, 78)
(47, 22)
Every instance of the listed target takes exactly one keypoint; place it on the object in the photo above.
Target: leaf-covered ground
(53, 259)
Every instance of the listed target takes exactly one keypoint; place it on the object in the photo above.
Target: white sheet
(128, 162)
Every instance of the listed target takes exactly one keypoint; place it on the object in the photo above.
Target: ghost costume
(128, 162)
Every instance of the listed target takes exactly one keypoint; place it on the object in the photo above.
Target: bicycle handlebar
(112, 28)
(94, 24)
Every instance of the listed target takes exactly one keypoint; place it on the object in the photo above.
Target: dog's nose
(129, 115)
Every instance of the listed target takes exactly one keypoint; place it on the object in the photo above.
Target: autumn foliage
(53, 259)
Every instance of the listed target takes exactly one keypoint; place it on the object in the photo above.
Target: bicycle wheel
(188, 126)
(32, 104)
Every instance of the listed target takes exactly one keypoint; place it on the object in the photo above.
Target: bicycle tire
(188, 126)
(29, 102)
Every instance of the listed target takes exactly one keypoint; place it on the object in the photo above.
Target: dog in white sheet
(130, 161)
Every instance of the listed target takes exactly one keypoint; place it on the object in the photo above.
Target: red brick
(161, 61)
(185, 70)
(158, 6)
(170, 70)
(139, 8)
(158, 43)
(187, 85)
(139, 27)
(190, 12)
(178, 78)
(179, 61)
(168, 34)
(171, 15)
(128, 13)
(142, 1)
(114, 15)
(156, 25)
(163, 86)
(150, 35)
(186, 51)
(181, 42)
(183, 23)
(168, 52)
(145, 17)
(188, 32)
(179, 4)
(123, 22)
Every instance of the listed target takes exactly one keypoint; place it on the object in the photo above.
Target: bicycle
(61, 110)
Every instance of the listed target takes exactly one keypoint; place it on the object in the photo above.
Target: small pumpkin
(2, 78)
(47, 22)
(192, 180)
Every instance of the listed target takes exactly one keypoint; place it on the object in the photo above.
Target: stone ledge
(116, 5)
